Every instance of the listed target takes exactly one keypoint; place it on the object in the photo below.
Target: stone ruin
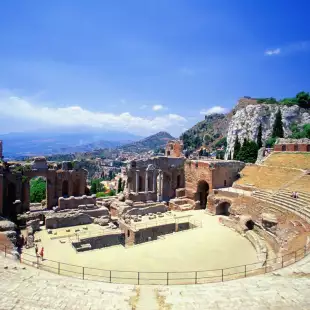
(9, 229)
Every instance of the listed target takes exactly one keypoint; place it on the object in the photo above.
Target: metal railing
(160, 278)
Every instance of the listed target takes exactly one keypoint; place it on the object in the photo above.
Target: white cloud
(213, 110)
(20, 111)
(144, 106)
(295, 47)
(271, 52)
(157, 107)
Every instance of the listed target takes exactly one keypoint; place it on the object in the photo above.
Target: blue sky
(144, 66)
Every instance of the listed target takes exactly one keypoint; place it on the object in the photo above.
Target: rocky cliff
(246, 119)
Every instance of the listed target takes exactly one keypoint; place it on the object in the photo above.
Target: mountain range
(23, 144)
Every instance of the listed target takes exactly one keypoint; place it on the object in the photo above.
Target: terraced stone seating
(292, 160)
(283, 198)
(300, 185)
(266, 178)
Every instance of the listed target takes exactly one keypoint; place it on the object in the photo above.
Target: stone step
(286, 200)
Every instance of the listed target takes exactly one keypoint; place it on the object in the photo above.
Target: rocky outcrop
(245, 122)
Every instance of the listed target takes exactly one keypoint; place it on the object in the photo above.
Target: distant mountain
(153, 142)
(18, 145)
(209, 132)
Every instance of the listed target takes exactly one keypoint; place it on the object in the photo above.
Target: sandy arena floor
(210, 247)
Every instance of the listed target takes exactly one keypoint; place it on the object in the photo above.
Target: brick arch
(202, 193)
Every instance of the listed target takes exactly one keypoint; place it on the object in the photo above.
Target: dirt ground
(211, 246)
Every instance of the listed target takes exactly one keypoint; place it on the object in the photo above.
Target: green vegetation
(299, 133)
(96, 186)
(277, 130)
(260, 136)
(221, 142)
(37, 189)
(120, 185)
(302, 99)
(237, 148)
(220, 154)
(106, 194)
(248, 152)
(270, 142)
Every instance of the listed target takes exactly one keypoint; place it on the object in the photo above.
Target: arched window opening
(65, 188)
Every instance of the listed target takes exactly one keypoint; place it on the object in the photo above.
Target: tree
(237, 148)
(270, 142)
(37, 190)
(248, 152)
(260, 136)
(96, 186)
(303, 99)
(277, 131)
(119, 185)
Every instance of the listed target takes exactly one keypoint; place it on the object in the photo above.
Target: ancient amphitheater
(252, 202)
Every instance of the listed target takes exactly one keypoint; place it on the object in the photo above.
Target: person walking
(36, 249)
(42, 253)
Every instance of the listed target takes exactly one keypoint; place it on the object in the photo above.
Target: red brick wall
(292, 147)
(195, 172)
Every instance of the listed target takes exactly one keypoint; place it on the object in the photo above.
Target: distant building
(174, 148)
(292, 145)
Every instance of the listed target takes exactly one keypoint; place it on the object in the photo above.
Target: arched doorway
(308, 148)
(223, 209)
(65, 188)
(178, 181)
(140, 187)
(37, 189)
(249, 224)
(202, 193)
(8, 207)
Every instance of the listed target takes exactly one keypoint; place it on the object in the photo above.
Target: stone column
(137, 181)
(154, 181)
(146, 182)
(160, 186)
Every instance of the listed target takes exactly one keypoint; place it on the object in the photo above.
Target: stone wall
(216, 174)
(73, 202)
(65, 219)
(99, 242)
(259, 245)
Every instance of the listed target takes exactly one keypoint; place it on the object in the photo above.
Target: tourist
(36, 249)
(42, 253)
(22, 241)
(296, 195)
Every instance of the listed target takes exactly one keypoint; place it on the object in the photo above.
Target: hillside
(157, 141)
(23, 144)
(209, 132)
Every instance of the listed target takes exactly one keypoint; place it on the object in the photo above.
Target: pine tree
(260, 136)
(277, 131)
(119, 185)
(248, 152)
(237, 148)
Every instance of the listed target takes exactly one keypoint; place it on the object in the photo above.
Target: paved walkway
(23, 287)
